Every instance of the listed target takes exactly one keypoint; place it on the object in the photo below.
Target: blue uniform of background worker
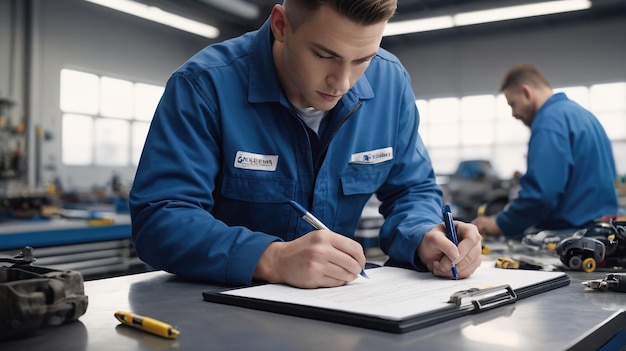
(308, 109)
(570, 177)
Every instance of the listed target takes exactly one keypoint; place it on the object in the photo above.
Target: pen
(316, 223)
(449, 222)
(147, 324)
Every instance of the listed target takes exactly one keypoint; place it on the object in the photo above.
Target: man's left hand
(438, 252)
(487, 226)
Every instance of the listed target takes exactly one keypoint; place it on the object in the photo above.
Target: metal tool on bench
(33, 297)
(613, 282)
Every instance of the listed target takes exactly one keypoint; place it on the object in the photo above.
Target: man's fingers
(350, 248)
(442, 243)
(444, 253)
(468, 265)
(323, 258)
(344, 266)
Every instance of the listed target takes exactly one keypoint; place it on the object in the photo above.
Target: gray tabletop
(570, 317)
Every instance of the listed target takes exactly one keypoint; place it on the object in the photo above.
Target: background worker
(570, 177)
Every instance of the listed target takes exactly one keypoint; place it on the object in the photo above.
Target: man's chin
(325, 105)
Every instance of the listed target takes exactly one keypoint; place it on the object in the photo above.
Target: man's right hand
(318, 259)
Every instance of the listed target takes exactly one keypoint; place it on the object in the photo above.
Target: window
(105, 119)
(77, 131)
(608, 102)
(578, 94)
(481, 127)
(79, 92)
(477, 120)
(443, 118)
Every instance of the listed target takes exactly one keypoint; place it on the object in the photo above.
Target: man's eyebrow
(332, 53)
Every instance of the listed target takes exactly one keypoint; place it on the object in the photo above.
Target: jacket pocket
(258, 189)
(364, 179)
(257, 204)
(358, 184)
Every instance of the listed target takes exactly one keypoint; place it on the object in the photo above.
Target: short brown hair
(364, 12)
(521, 74)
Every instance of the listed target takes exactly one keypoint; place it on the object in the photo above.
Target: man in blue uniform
(570, 177)
(306, 109)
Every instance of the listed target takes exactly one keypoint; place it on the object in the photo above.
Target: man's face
(324, 58)
(522, 106)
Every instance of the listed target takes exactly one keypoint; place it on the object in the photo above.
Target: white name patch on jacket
(373, 156)
(247, 160)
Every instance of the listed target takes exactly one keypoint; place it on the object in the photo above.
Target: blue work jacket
(225, 154)
(570, 180)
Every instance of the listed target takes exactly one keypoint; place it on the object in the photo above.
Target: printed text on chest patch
(247, 160)
(373, 156)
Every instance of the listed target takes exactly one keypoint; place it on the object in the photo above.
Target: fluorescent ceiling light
(157, 15)
(522, 11)
(485, 16)
(239, 8)
(418, 25)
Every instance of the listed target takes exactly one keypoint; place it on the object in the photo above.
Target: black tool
(613, 282)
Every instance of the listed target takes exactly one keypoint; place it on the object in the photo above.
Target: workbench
(93, 247)
(567, 318)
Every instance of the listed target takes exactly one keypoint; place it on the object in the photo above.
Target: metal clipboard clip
(484, 299)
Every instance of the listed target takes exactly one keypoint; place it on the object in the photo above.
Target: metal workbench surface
(570, 317)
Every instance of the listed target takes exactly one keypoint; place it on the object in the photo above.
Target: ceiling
(239, 16)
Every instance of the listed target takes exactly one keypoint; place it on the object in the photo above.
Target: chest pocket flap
(364, 179)
(258, 189)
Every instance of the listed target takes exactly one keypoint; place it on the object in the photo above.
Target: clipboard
(457, 304)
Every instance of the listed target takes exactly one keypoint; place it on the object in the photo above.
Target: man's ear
(527, 92)
(279, 22)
